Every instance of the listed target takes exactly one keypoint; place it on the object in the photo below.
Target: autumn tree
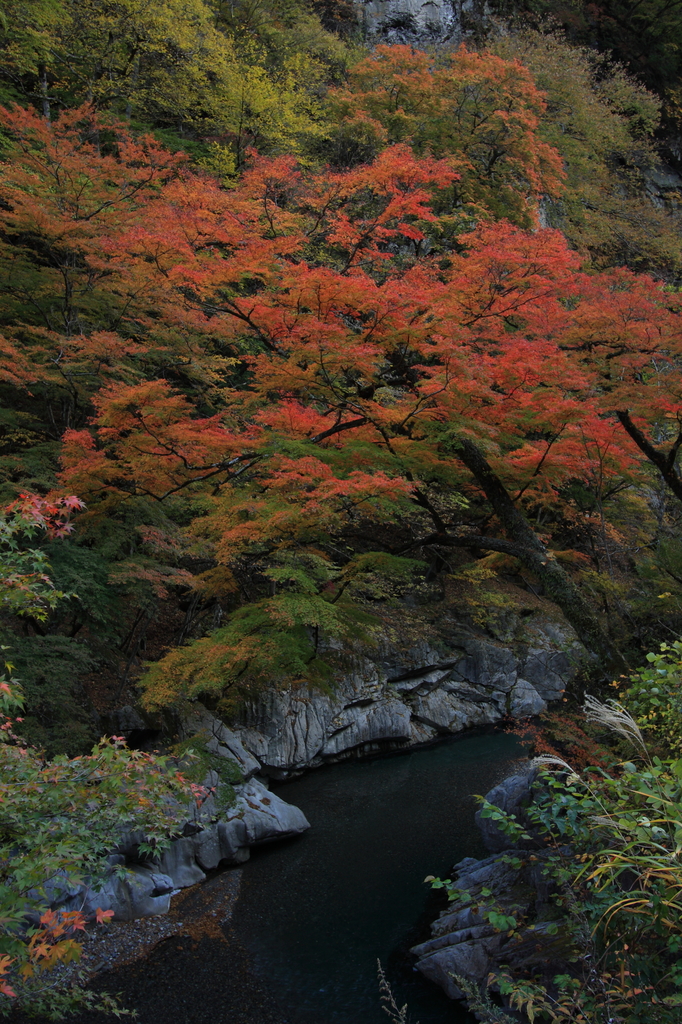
(296, 390)
(191, 70)
(477, 106)
(603, 123)
(80, 302)
(366, 377)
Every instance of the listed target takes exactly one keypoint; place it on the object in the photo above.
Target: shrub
(655, 697)
(613, 842)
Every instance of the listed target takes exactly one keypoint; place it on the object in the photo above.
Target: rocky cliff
(405, 21)
(433, 674)
(400, 697)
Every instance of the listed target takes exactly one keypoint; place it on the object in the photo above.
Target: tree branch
(664, 462)
(337, 428)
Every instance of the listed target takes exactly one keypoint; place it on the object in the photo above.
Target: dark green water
(316, 913)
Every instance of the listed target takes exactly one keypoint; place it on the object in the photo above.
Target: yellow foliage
(602, 123)
(171, 62)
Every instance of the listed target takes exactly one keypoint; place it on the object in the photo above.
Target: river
(315, 913)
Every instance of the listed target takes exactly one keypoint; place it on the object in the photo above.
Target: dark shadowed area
(316, 913)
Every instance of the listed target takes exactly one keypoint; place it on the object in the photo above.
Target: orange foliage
(478, 106)
(562, 734)
(290, 350)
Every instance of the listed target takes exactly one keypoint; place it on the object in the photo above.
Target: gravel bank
(187, 967)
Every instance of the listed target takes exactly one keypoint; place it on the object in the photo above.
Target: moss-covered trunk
(531, 552)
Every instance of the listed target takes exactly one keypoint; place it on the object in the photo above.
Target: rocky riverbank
(467, 941)
(404, 695)
(209, 835)
(398, 696)
(312, 915)
(426, 680)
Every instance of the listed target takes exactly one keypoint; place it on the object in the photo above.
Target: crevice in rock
(341, 728)
(442, 730)
(424, 670)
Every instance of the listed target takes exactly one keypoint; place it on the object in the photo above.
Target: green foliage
(249, 72)
(621, 875)
(660, 571)
(504, 821)
(60, 820)
(197, 761)
(655, 696)
(269, 642)
(644, 36)
(48, 668)
(480, 1003)
(50, 663)
(611, 851)
(354, 141)
(482, 598)
(602, 122)
(90, 598)
(501, 922)
(290, 637)
(614, 840)
(380, 576)
(27, 30)
(26, 585)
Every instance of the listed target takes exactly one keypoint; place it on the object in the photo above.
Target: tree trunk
(665, 462)
(44, 93)
(531, 552)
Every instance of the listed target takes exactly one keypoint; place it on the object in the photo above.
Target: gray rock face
(400, 21)
(266, 816)
(512, 796)
(525, 701)
(218, 739)
(178, 862)
(144, 889)
(359, 724)
(143, 892)
(468, 958)
(463, 942)
(399, 699)
(124, 721)
(662, 185)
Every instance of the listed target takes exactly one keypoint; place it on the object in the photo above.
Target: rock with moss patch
(399, 696)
